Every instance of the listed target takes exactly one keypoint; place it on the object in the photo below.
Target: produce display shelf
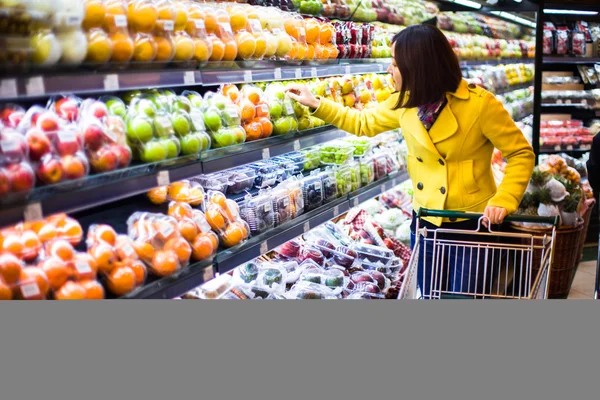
(226, 260)
(571, 60)
(477, 63)
(562, 148)
(513, 88)
(95, 190)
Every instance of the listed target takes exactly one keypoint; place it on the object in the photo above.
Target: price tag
(83, 267)
(255, 25)
(166, 230)
(586, 147)
(67, 19)
(264, 248)
(168, 25)
(111, 82)
(383, 188)
(557, 147)
(189, 78)
(33, 212)
(289, 109)
(355, 202)
(208, 274)
(296, 145)
(302, 32)
(298, 73)
(570, 147)
(306, 227)
(277, 74)
(8, 88)
(247, 76)
(120, 21)
(128, 250)
(162, 178)
(348, 69)
(9, 145)
(35, 86)
(111, 135)
(264, 108)
(336, 210)
(276, 31)
(199, 23)
(266, 153)
(313, 72)
(30, 290)
(198, 120)
(225, 27)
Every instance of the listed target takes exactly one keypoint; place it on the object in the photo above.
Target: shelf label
(313, 72)
(336, 210)
(30, 290)
(355, 202)
(266, 153)
(277, 74)
(570, 147)
(248, 76)
(348, 70)
(67, 136)
(83, 267)
(586, 147)
(67, 19)
(189, 78)
(32, 212)
(264, 248)
(380, 67)
(296, 145)
(298, 73)
(168, 25)
(111, 82)
(120, 21)
(306, 227)
(557, 148)
(8, 88)
(198, 120)
(162, 178)
(383, 188)
(255, 25)
(208, 274)
(35, 86)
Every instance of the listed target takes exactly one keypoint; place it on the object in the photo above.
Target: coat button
(441, 162)
(472, 86)
(452, 219)
(443, 190)
(420, 186)
(419, 159)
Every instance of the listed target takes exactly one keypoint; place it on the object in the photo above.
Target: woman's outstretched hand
(302, 95)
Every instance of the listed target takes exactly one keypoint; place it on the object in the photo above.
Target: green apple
(231, 116)
(219, 101)
(153, 152)
(282, 126)
(182, 124)
(139, 129)
(117, 107)
(146, 106)
(212, 119)
(181, 103)
(191, 144)
(195, 99)
(275, 110)
(305, 123)
(172, 146)
(163, 126)
(225, 137)
(239, 135)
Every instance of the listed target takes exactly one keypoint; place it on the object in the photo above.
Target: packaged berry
(329, 184)
(258, 212)
(312, 189)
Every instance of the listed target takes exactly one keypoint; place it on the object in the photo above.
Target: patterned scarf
(430, 112)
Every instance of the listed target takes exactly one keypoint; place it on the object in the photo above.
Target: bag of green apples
(281, 109)
(188, 123)
(222, 119)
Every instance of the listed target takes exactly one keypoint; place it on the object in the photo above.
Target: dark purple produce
(326, 245)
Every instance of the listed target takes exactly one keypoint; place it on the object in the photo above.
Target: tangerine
(237, 18)
(248, 110)
(184, 47)
(219, 199)
(302, 51)
(158, 195)
(32, 245)
(47, 232)
(232, 92)
(215, 219)
(230, 52)
(33, 284)
(105, 257)
(5, 291)
(165, 262)
(261, 46)
(188, 229)
(142, 15)
(70, 291)
(232, 210)
(10, 268)
(144, 250)
(181, 16)
(181, 248)
(218, 49)
(179, 210)
(203, 50)
(313, 31)
(213, 238)
(99, 46)
(93, 290)
(253, 131)
(326, 33)
(95, 11)
(254, 96)
(121, 280)
(165, 50)
(310, 55)
(122, 47)
(233, 235)
(140, 271)
(57, 272)
(106, 234)
(13, 244)
(62, 249)
(267, 127)
(202, 247)
(71, 231)
(144, 48)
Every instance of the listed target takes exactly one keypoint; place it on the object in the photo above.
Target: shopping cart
(500, 265)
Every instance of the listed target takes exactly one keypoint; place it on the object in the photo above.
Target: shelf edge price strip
(189, 78)
(277, 74)
(33, 212)
(208, 274)
(35, 86)
(163, 178)
(8, 88)
(111, 82)
(306, 226)
(264, 247)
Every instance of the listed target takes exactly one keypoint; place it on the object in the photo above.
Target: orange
(95, 11)
(219, 199)
(232, 210)
(165, 262)
(233, 235)
(291, 27)
(213, 238)
(248, 110)
(32, 245)
(33, 284)
(203, 50)
(218, 49)
(210, 21)
(262, 110)
(106, 234)
(56, 271)
(215, 219)
(310, 55)
(181, 248)
(230, 51)
(62, 249)
(237, 18)
(202, 247)
(5, 292)
(122, 47)
(254, 96)
(158, 195)
(293, 53)
(231, 91)
(261, 46)
(71, 231)
(326, 33)
(188, 229)
(246, 45)
(113, 8)
(184, 47)
(165, 49)
(253, 131)
(47, 232)
(99, 46)
(267, 127)
(121, 280)
(13, 244)
(144, 48)
(313, 31)
(125, 249)
(177, 187)
(194, 13)
(104, 256)
(166, 10)
(196, 196)
(179, 210)
(10, 268)
(84, 267)
(93, 290)
(333, 51)
(145, 251)
(142, 15)
(302, 51)
(181, 16)
(70, 291)
(139, 269)
(57, 219)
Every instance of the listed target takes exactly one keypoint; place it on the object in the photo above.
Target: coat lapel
(412, 125)
(445, 125)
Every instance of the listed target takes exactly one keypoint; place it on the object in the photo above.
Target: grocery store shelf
(571, 60)
(96, 190)
(476, 63)
(226, 260)
(581, 106)
(563, 148)
(513, 88)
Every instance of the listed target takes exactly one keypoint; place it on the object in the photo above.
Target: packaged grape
(258, 213)
(285, 168)
(336, 152)
(343, 177)
(367, 170)
(240, 180)
(312, 189)
(266, 174)
(361, 145)
(312, 156)
(215, 288)
(355, 175)
(380, 163)
(329, 184)
(282, 206)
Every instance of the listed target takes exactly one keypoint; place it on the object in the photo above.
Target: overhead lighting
(576, 12)
(514, 18)
(517, 1)
(468, 3)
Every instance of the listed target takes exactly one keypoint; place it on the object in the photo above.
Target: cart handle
(424, 212)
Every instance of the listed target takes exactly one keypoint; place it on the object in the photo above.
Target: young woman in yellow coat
(450, 128)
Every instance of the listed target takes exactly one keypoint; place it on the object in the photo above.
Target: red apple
(68, 141)
(123, 155)
(12, 115)
(93, 136)
(38, 142)
(73, 166)
(47, 122)
(21, 176)
(5, 183)
(67, 108)
(50, 170)
(98, 109)
(104, 160)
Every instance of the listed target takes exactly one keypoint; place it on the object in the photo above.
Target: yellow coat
(450, 166)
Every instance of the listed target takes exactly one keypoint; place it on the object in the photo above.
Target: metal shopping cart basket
(479, 264)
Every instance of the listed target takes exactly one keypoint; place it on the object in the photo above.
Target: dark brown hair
(427, 64)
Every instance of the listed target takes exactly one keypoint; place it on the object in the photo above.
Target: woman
(450, 128)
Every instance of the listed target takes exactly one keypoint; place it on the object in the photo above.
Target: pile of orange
(223, 216)
(181, 191)
(254, 110)
(194, 228)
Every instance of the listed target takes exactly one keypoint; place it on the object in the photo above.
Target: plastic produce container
(329, 185)
(312, 158)
(336, 152)
(312, 189)
(240, 180)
